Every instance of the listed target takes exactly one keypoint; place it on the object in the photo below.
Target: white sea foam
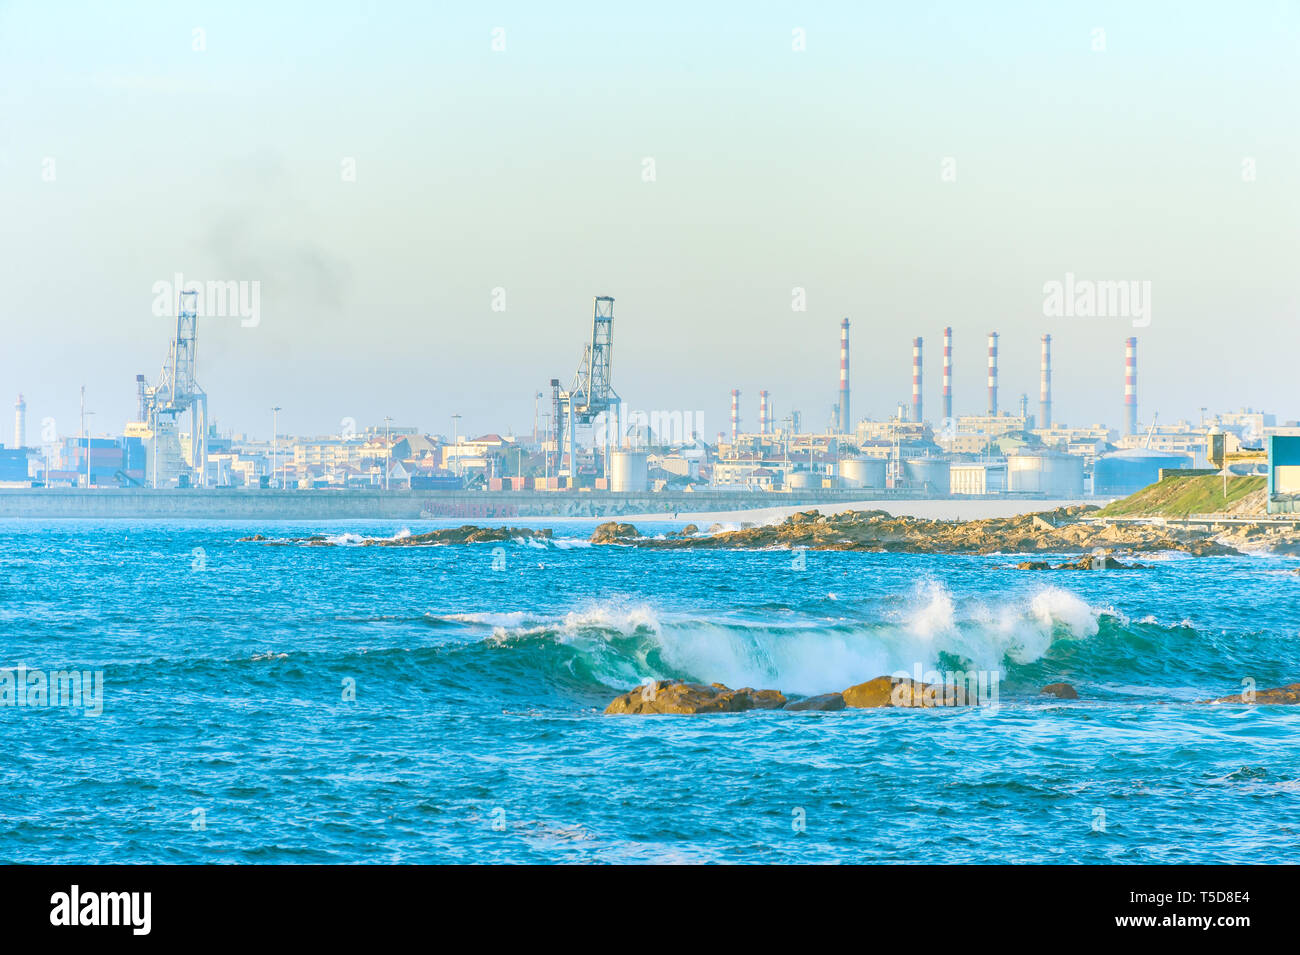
(571, 543)
(625, 619)
(818, 658)
(345, 539)
(515, 619)
(936, 615)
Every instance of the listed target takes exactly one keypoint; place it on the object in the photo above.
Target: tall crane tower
(176, 393)
(591, 393)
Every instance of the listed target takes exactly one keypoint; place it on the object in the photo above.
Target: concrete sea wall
(326, 505)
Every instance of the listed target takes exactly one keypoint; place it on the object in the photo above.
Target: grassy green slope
(1181, 496)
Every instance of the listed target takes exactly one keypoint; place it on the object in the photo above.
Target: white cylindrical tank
(1056, 475)
(629, 471)
(930, 474)
(802, 480)
(862, 473)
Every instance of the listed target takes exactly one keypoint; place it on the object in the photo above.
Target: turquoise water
(476, 732)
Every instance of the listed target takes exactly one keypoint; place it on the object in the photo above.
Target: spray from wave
(616, 644)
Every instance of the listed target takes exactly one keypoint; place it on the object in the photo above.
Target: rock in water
(1061, 691)
(877, 692)
(826, 701)
(677, 696)
(765, 699)
(901, 691)
(1277, 695)
(1087, 562)
(613, 531)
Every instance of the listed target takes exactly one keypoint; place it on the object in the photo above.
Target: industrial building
(589, 445)
(1284, 474)
(977, 477)
(1123, 472)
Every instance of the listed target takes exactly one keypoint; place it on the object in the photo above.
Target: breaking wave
(617, 644)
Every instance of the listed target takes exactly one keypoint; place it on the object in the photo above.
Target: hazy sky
(524, 169)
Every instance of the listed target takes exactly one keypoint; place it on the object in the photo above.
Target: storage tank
(862, 472)
(1048, 473)
(802, 480)
(1124, 472)
(929, 474)
(629, 471)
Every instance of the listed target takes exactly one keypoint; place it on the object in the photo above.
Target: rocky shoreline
(1062, 531)
(465, 534)
(1065, 530)
(666, 697)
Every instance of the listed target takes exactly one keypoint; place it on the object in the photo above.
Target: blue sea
(351, 704)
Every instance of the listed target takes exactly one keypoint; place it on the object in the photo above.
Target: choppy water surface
(476, 732)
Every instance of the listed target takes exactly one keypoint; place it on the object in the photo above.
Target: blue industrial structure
(1283, 473)
(1124, 472)
(13, 465)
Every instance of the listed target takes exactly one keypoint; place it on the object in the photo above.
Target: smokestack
(916, 379)
(763, 420)
(844, 377)
(947, 373)
(20, 422)
(993, 373)
(735, 414)
(1045, 385)
(1131, 383)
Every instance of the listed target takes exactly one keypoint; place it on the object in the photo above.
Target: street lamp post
(455, 441)
(546, 455)
(87, 414)
(388, 451)
(275, 437)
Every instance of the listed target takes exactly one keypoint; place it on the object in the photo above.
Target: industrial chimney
(735, 414)
(947, 373)
(20, 422)
(1045, 385)
(1131, 384)
(762, 413)
(916, 379)
(844, 378)
(993, 373)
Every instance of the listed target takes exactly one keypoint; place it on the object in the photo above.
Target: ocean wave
(536, 658)
(618, 644)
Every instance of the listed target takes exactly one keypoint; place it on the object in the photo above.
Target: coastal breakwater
(405, 505)
(1068, 530)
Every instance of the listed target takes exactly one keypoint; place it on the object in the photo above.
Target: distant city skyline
(430, 199)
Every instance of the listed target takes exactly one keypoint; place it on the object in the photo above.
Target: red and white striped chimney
(993, 373)
(916, 379)
(947, 373)
(735, 414)
(844, 377)
(1045, 385)
(1131, 384)
(762, 413)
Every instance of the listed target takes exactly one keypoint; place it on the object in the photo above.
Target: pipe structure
(1131, 384)
(993, 374)
(947, 373)
(1045, 385)
(844, 417)
(916, 379)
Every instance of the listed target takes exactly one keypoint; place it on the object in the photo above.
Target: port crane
(178, 391)
(592, 392)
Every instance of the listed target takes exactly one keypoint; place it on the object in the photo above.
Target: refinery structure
(588, 442)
